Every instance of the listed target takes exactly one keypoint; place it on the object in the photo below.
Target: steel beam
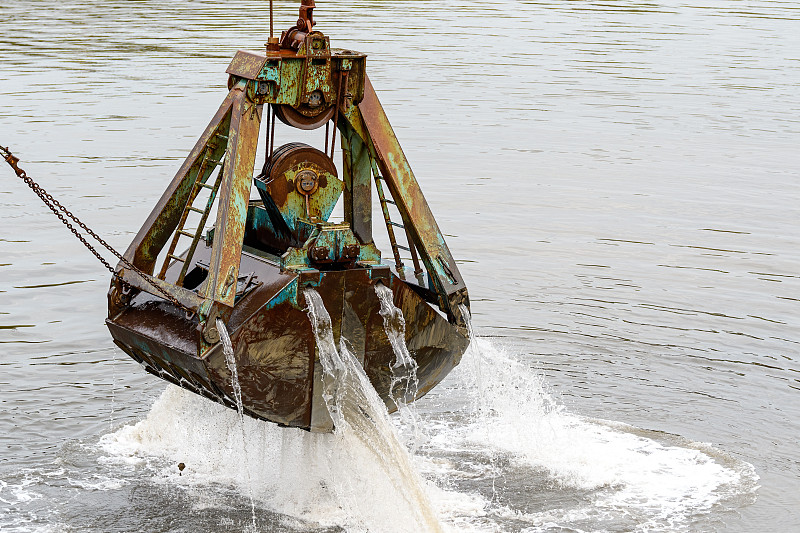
(233, 197)
(162, 221)
(412, 205)
(357, 183)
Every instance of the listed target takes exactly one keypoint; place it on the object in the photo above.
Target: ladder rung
(395, 224)
(385, 201)
(403, 247)
(206, 185)
(221, 136)
(196, 210)
(213, 161)
(186, 233)
(177, 258)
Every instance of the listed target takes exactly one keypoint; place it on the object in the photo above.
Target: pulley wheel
(304, 118)
(301, 181)
(294, 156)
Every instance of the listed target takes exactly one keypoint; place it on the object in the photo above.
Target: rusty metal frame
(234, 194)
(367, 137)
(370, 122)
(165, 216)
(240, 117)
(274, 345)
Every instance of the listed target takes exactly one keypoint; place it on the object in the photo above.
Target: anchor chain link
(63, 213)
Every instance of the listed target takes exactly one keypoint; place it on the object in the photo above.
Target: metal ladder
(390, 225)
(199, 184)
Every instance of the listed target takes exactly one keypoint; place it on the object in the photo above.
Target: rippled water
(619, 179)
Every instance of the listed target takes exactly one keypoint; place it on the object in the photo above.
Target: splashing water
(363, 426)
(230, 362)
(631, 479)
(404, 384)
(476, 361)
(480, 405)
(554, 470)
(394, 323)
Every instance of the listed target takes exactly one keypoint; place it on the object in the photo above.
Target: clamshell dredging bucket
(274, 346)
(250, 266)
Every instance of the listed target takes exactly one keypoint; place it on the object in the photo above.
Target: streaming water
(230, 361)
(404, 369)
(481, 406)
(404, 382)
(363, 425)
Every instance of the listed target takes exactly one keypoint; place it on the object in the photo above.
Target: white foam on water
(360, 477)
(97, 482)
(357, 477)
(289, 472)
(16, 493)
(663, 485)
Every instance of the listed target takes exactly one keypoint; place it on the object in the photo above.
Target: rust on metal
(164, 218)
(250, 267)
(233, 200)
(407, 195)
(358, 197)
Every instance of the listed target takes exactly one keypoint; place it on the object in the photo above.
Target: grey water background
(619, 179)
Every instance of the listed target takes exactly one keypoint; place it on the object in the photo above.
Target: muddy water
(620, 181)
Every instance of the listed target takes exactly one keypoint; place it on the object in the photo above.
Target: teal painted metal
(358, 182)
(234, 195)
(163, 220)
(251, 267)
(329, 244)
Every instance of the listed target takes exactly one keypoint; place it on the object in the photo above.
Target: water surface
(618, 179)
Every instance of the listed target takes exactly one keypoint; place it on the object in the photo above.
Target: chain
(60, 211)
